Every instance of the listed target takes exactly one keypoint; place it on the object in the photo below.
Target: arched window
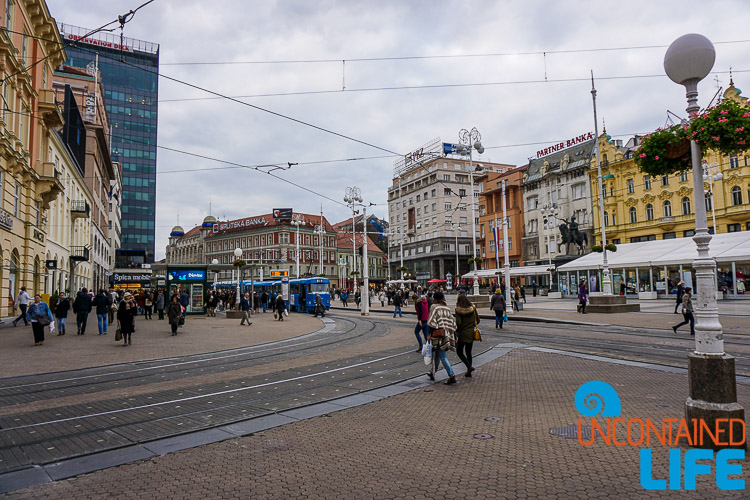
(649, 212)
(685, 206)
(633, 215)
(606, 218)
(667, 209)
(736, 196)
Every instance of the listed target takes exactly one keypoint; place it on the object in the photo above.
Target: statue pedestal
(611, 304)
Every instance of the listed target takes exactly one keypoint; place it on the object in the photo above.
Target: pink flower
(703, 115)
(741, 143)
(724, 112)
(740, 129)
(721, 120)
(746, 115)
(656, 157)
(685, 127)
(642, 155)
(703, 128)
(695, 133)
(715, 137)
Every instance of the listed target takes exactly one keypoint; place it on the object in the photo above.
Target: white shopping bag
(52, 327)
(427, 353)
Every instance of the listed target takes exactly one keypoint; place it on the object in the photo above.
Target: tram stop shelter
(652, 269)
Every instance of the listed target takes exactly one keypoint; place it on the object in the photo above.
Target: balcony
(49, 108)
(738, 212)
(80, 254)
(667, 223)
(48, 185)
(80, 209)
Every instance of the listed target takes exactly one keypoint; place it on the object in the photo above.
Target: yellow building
(29, 50)
(640, 208)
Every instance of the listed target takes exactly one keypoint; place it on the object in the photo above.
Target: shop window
(734, 228)
(669, 236)
(689, 233)
(685, 206)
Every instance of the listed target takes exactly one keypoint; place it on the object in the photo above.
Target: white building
(115, 214)
(69, 224)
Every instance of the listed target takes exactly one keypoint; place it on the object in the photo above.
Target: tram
(302, 291)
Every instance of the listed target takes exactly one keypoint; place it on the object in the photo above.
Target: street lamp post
(352, 197)
(606, 280)
(711, 372)
(297, 220)
(470, 140)
(548, 215)
(505, 250)
(215, 262)
(237, 256)
(365, 296)
(707, 176)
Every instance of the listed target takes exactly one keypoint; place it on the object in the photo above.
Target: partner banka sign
(599, 399)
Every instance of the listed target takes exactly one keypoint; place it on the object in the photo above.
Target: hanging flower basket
(664, 152)
(239, 263)
(611, 247)
(597, 249)
(725, 128)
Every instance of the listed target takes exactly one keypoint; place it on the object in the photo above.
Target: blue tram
(302, 291)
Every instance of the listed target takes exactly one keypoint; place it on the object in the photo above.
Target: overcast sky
(398, 120)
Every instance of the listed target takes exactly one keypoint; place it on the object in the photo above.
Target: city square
(340, 250)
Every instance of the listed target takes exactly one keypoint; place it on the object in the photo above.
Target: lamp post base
(713, 400)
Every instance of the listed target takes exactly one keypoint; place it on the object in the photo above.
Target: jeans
(22, 316)
(688, 318)
(463, 349)
(425, 331)
(61, 325)
(397, 310)
(81, 320)
(264, 304)
(442, 356)
(499, 318)
(147, 311)
(102, 320)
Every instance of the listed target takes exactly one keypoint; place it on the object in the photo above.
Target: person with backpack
(423, 314)
(344, 296)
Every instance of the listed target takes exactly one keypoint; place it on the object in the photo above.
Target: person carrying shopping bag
(40, 315)
(442, 328)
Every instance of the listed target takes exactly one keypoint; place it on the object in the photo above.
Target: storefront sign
(6, 221)
(131, 278)
(99, 43)
(250, 222)
(564, 145)
(38, 235)
(197, 275)
(50, 264)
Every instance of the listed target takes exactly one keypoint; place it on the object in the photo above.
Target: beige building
(29, 181)
(69, 224)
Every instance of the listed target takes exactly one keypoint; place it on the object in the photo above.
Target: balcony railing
(80, 208)
(79, 254)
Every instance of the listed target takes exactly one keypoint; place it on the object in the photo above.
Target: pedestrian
(82, 308)
(680, 293)
(23, 303)
(61, 312)
(148, 305)
(466, 323)
(442, 329)
(397, 301)
(112, 308)
(214, 304)
(126, 313)
(523, 293)
(687, 311)
(582, 297)
(381, 298)
(160, 304)
(174, 312)
(264, 300)
(344, 297)
(320, 308)
(497, 304)
(533, 288)
(184, 302)
(280, 307)
(102, 304)
(423, 314)
(245, 307)
(357, 298)
(40, 315)
(516, 297)
(256, 302)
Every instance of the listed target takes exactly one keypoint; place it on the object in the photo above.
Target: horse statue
(571, 234)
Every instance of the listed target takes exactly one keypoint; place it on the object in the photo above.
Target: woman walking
(160, 304)
(497, 304)
(126, 313)
(582, 297)
(680, 295)
(280, 307)
(174, 311)
(40, 315)
(466, 322)
(61, 312)
(687, 311)
(423, 314)
(442, 329)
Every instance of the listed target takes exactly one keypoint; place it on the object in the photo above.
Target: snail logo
(597, 398)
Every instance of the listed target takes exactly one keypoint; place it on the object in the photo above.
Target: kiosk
(193, 280)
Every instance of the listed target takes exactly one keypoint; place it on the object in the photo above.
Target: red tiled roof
(344, 242)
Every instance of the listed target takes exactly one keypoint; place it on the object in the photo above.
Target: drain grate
(571, 432)
(493, 419)
(483, 436)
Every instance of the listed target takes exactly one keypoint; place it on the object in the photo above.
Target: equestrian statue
(571, 234)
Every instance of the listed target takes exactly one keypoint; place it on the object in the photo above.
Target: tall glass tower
(131, 89)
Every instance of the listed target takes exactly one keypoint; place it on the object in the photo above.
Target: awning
(725, 247)
(514, 271)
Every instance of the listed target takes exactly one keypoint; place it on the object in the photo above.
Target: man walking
(687, 311)
(82, 308)
(397, 302)
(245, 306)
(184, 302)
(264, 300)
(102, 304)
(680, 293)
(23, 303)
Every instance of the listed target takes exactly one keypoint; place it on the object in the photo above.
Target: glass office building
(131, 88)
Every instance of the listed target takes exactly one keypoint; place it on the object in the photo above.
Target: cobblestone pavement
(421, 444)
(151, 340)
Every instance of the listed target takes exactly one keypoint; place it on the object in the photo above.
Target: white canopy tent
(514, 271)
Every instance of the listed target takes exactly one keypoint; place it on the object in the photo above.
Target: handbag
(43, 320)
(118, 333)
(437, 333)
(477, 333)
(505, 317)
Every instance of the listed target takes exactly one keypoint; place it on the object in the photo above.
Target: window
(446, 191)
(462, 220)
(38, 206)
(689, 233)
(734, 228)
(16, 198)
(447, 206)
(665, 180)
(434, 207)
(709, 203)
(532, 202)
(646, 182)
(734, 162)
(462, 192)
(9, 14)
(683, 176)
(433, 193)
(578, 191)
(426, 209)
(633, 215)
(685, 206)
(447, 177)
(736, 196)
(667, 209)
(419, 211)
(631, 186)
(606, 218)
(649, 212)
(669, 236)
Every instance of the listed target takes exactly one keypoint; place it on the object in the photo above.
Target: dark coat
(498, 302)
(398, 300)
(126, 316)
(184, 299)
(680, 293)
(244, 304)
(102, 303)
(465, 322)
(174, 311)
(82, 304)
(62, 308)
(280, 304)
